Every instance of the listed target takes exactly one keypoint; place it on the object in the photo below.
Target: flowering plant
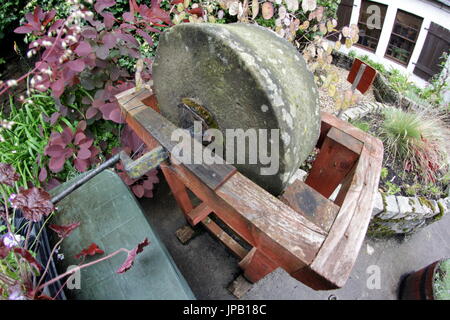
(23, 274)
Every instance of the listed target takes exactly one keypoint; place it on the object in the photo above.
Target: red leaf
(7, 174)
(65, 230)
(76, 65)
(83, 49)
(132, 255)
(108, 19)
(43, 174)
(24, 29)
(34, 203)
(90, 251)
(197, 11)
(83, 154)
(56, 164)
(28, 257)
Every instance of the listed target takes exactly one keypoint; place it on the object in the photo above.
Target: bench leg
(256, 265)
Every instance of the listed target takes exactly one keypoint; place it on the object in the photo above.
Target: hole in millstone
(191, 110)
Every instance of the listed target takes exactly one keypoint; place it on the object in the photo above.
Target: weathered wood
(198, 214)
(257, 265)
(346, 140)
(185, 234)
(238, 250)
(148, 122)
(338, 254)
(310, 204)
(240, 287)
(331, 166)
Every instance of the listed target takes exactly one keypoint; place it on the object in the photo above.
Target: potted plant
(429, 283)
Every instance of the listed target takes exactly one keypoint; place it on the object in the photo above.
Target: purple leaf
(146, 36)
(128, 16)
(102, 52)
(54, 150)
(43, 174)
(56, 164)
(76, 65)
(109, 40)
(79, 136)
(8, 175)
(108, 19)
(82, 125)
(138, 190)
(24, 29)
(55, 116)
(67, 135)
(116, 116)
(80, 164)
(102, 4)
(34, 203)
(65, 230)
(89, 33)
(28, 257)
(84, 154)
(91, 112)
(132, 256)
(83, 49)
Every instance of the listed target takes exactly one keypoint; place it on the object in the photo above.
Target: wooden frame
(315, 240)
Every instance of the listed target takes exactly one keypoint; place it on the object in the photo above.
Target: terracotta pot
(419, 285)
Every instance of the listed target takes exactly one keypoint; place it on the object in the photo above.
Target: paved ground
(208, 267)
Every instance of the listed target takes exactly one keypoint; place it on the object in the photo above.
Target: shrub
(417, 139)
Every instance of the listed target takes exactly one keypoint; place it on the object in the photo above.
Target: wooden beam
(198, 214)
(238, 250)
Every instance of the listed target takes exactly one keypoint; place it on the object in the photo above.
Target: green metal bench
(111, 217)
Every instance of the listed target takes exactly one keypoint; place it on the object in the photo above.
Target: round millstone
(246, 77)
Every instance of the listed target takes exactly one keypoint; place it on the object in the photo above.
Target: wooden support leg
(185, 234)
(240, 287)
(256, 265)
(178, 189)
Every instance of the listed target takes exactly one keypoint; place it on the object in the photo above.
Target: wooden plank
(346, 140)
(373, 145)
(256, 265)
(338, 254)
(283, 235)
(147, 122)
(238, 250)
(310, 204)
(331, 166)
(198, 214)
(178, 189)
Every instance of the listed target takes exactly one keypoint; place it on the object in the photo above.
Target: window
(404, 36)
(370, 23)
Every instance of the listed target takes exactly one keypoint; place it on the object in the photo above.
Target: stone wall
(394, 215)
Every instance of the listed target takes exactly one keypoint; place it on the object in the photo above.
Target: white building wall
(422, 8)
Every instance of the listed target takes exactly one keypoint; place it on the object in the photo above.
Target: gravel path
(327, 103)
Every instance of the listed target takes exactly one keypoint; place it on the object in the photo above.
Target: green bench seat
(111, 217)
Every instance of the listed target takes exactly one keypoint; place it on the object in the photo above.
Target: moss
(378, 230)
(440, 214)
(425, 202)
(383, 198)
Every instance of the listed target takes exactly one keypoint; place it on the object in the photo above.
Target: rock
(391, 209)
(378, 205)
(405, 207)
(235, 72)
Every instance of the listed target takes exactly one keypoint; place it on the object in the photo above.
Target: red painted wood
(367, 78)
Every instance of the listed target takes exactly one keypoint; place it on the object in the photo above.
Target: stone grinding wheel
(245, 76)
